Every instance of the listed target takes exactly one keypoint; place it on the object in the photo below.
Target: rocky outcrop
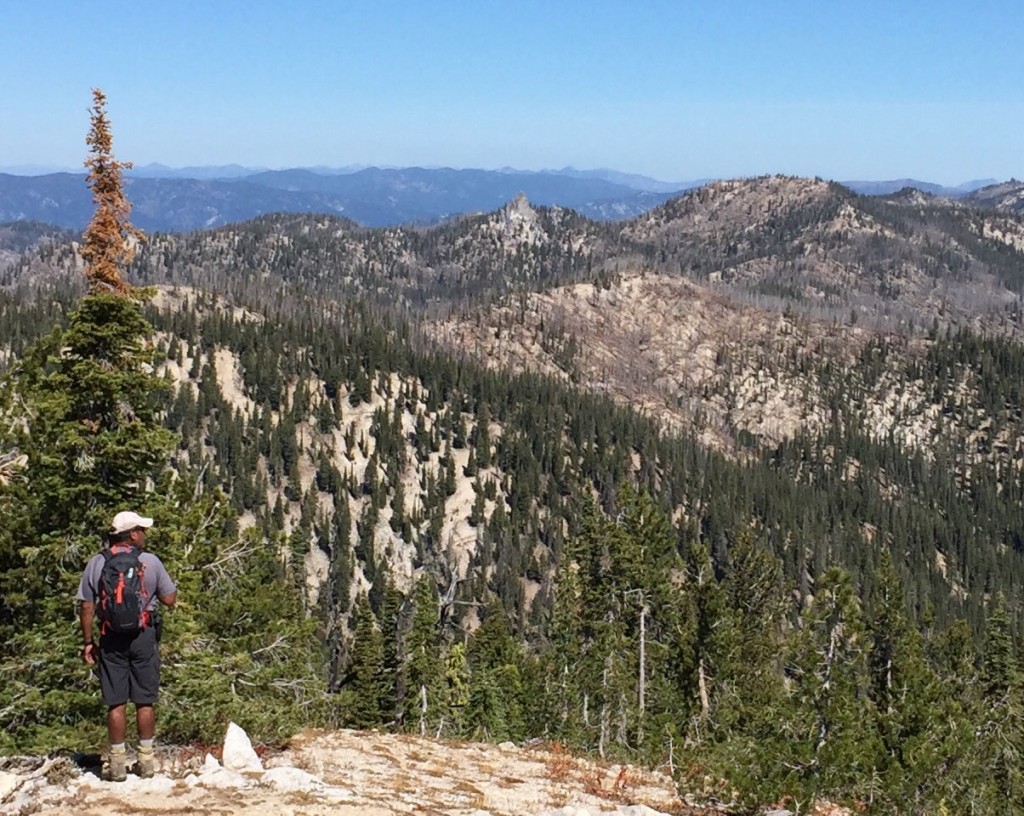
(343, 773)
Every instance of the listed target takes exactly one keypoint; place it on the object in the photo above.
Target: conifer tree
(753, 587)
(390, 627)
(750, 698)
(495, 709)
(562, 691)
(952, 656)
(709, 629)
(368, 693)
(904, 692)
(423, 701)
(82, 408)
(110, 239)
(826, 748)
(1000, 718)
(240, 646)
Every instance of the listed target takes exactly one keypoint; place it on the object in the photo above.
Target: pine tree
(110, 239)
(710, 636)
(368, 694)
(750, 695)
(904, 692)
(424, 701)
(1000, 720)
(559, 709)
(495, 709)
(82, 406)
(83, 410)
(239, 644)
(753, 587)
(826, 747)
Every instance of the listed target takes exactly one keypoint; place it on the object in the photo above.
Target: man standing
(121, 587)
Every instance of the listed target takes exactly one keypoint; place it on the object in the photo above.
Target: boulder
(9, 783)
(238, 752)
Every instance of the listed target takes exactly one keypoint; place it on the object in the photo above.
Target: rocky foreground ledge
(344, 773)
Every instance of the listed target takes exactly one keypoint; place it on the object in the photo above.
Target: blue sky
(674, 90)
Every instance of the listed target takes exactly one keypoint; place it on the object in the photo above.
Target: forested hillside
(458, 481)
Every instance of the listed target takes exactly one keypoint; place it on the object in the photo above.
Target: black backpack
(122, 597)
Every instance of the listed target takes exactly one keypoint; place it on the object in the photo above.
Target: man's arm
(166, 591)
(86, 613)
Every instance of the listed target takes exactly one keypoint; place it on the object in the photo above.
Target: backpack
(122, 596)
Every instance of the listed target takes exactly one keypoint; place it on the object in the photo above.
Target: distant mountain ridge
(183, 199)
(1006, 197)
(895, 185)
(372, 197)
(206, 172)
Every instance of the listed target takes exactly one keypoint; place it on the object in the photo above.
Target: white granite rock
(218, 778)
(133, 784)
(623, 810)
(238, 751)
(289, 779)
(8, 784)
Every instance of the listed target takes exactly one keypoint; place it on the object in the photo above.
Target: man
(129, 662)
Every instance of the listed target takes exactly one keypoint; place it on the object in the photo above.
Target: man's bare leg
(115, 723)
(117, 762)
(145, 720)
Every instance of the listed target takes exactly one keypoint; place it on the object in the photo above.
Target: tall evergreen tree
(496, 703)
(82, 410)
(826, 749)
(110, 239)
(81, 407)
(424, 699)
(1000, 718)
(368, 694)
(904, 691)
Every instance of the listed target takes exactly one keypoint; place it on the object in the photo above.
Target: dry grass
(438, 771)
(405, 783)
(488, 768)
(560, 765)
(470, 794)
(307, 798)
(602, 783)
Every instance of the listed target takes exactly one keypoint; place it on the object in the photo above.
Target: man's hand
(89, 653)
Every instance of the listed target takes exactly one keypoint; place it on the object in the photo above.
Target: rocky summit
(341, 773)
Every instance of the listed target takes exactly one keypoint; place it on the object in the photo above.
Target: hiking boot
(117, 766)
(146, 766)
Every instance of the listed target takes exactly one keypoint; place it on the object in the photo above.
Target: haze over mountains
(181, 199)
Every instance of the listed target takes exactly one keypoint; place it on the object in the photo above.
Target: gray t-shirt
(155, 578)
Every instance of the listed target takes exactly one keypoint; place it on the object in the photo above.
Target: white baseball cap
(127, 520)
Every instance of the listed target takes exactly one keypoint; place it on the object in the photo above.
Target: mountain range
(826, 341)
(168, 202)
(177, 200)
(660, 310)
(526, 416)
